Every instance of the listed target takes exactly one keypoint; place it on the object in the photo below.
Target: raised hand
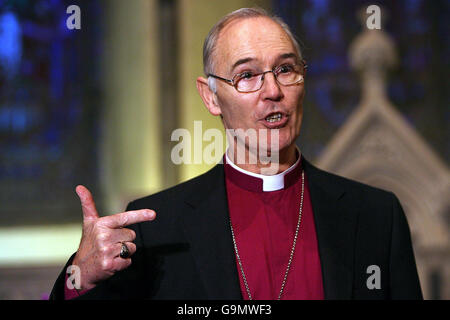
(98, 255)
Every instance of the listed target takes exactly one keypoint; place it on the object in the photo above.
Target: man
(236, 231)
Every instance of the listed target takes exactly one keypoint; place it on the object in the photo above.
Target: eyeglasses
(286, 74)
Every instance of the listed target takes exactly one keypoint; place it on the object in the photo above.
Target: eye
(246, 75)
(285, 68)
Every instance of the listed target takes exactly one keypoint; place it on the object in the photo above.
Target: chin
(275, 149)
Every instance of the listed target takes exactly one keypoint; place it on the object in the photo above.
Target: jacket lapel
(335, 227)
(208, 231)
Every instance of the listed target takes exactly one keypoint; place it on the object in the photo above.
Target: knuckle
(124, 219)
(103, 250)
(105, 265)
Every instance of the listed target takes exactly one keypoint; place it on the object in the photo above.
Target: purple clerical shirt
(264, 224)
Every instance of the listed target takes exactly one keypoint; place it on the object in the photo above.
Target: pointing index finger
(127, 218)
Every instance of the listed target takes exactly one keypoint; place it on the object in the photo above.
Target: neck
(286, 158)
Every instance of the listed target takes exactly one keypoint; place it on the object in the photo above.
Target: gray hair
(210, 43)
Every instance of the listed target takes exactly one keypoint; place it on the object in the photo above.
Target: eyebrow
(280, 57)
(241, 61)
(287, 55)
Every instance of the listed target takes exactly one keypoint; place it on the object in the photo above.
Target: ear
(208, 96)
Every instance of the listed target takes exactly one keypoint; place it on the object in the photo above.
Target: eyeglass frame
(232, 82)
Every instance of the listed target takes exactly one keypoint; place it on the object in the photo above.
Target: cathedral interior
(97, 104)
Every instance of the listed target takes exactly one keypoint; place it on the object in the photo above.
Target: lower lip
(277, 124)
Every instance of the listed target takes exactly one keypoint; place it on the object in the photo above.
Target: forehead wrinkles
(259, 38)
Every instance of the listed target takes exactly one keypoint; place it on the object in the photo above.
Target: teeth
(274, 117)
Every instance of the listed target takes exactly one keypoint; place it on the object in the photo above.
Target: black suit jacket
(187, 251)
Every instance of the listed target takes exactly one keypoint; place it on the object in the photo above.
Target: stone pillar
(131, 139)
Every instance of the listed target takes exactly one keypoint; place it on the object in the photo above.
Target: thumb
(87, 203)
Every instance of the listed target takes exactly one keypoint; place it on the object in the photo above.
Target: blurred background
(97, 106)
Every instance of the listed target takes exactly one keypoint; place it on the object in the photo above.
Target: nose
(271, 88)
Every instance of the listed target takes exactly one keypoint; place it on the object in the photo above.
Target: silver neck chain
(292, 250)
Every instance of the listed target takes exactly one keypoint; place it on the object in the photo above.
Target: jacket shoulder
(355, 189)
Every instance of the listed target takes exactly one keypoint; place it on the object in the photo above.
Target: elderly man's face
(258, 44)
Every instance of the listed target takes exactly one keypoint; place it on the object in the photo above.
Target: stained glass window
(49, 107)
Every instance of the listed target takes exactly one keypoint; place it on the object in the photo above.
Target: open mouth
(274, 117)
(275, 120)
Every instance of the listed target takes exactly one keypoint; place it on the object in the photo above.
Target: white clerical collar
(270, 183)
